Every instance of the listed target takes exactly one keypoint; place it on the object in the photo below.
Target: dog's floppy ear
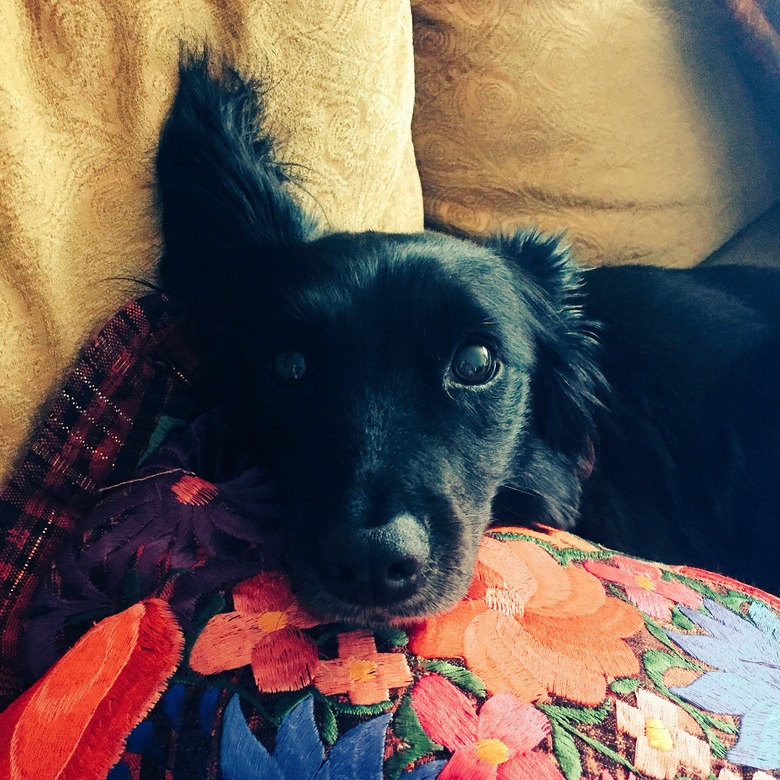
(566, 383)
(222, 194)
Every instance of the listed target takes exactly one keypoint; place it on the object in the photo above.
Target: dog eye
(288, 367)
(474, 364)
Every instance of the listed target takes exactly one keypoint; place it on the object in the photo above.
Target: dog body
(406, 389)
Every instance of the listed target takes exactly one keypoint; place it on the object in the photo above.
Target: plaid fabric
(137, 368)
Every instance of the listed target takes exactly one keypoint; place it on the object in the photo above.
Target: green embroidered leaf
(659, 633)
(566, 752)
(509, 536)
(589, 716)
(415, 743)
(721, 725)
(733, 601)
(460, 676)
(165, 425)
(571, 554)
(624, 685)
(392, 636)
(288, 701)
(330, 728)
(131, 588)
(657, 662)
(681, 621)
(360, 709)
(600, 747)
(563, 556)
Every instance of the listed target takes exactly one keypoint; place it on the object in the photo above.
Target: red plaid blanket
(137, 369)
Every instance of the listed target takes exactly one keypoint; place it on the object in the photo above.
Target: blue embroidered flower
(299, 753)
(747, 683)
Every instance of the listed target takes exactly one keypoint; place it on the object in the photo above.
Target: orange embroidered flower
(645, 587)
(662, 744)
(264, 631)
(530, 626)
(74, 721)
(361, 671)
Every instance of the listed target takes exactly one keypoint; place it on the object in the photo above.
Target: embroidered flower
(264, 631)
(298, 752)
(746, 683)
(727, 774)
(361, 671)
(74, 721)
(530, 626)
(645, 586)
(167, 531)
(175, 511)
(662, 744)
(497, 743)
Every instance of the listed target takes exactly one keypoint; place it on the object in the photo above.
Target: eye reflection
(288, 367)
(474, 364)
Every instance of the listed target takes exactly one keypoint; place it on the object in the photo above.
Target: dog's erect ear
(223, 195)
(566, 382)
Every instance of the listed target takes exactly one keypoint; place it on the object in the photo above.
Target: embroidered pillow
(565, 660)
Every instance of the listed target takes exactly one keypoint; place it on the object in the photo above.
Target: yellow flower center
(360, 671)
(645, 582)
(272, 621)
(658, 735)
(491, 751)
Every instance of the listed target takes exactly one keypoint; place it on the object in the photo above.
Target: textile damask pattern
(84, 88)
(165, 640)
(632, 125)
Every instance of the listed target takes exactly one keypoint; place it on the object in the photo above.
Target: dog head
(394, 383)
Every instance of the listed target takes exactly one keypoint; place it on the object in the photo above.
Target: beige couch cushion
(84, 87)
(624, 122)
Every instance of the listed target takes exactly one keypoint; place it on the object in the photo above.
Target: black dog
(402, 386)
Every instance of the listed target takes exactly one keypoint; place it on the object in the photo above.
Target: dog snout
(379, 565)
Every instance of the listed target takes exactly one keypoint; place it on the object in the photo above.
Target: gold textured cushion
(84, 87)
(626, 123)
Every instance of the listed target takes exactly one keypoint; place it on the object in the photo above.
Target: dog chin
(413, 610)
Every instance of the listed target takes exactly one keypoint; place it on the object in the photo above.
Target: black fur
(391, 464)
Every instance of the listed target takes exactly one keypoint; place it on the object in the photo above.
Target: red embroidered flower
(264, 631)
(530, 626)
(193, 490)
(361, 671)
(645, 586)
(497, 743)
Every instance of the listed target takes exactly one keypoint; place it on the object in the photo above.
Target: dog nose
(378, 565)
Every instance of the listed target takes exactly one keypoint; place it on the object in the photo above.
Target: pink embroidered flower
(264, 631)
(645, 586)
(497, 743)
